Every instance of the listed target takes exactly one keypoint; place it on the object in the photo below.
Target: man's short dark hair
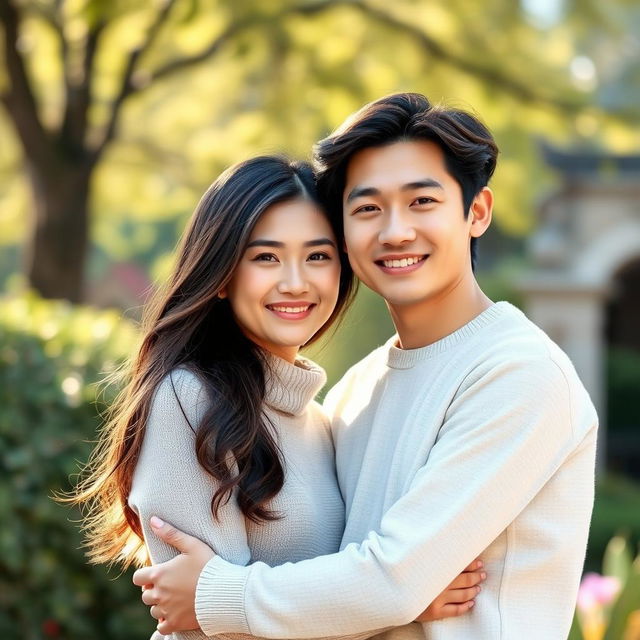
(469, 149)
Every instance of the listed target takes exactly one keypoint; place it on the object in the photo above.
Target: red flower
(51, 628)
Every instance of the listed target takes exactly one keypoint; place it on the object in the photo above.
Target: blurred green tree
(123, 105)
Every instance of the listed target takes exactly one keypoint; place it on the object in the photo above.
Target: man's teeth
(290, 309)
(405, 262)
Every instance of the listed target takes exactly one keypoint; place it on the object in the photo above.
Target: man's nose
(397, 229)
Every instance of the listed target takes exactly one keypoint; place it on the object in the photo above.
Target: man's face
(405, 229)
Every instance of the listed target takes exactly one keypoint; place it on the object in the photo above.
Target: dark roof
(577, 162)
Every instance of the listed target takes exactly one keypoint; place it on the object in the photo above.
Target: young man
(468, 434)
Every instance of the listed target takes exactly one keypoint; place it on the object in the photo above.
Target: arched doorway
(623, 369)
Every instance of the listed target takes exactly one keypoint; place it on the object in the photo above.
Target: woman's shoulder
(181, 393)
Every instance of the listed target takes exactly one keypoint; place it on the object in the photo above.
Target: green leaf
(617, 559)
(627, 602)
(576, 632)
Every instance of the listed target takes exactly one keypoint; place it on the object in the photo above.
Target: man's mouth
(401, 264)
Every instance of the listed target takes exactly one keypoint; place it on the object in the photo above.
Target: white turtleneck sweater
(480, 444)
(170, 483)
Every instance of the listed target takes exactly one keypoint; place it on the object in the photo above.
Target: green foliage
(286, 72)
(51, 355)
(623, 373)
(605, 614)
(627, 602)
(615, 511)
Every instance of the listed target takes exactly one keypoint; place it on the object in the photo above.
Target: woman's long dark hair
(188, 324)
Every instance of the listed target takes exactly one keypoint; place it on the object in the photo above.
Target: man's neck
(431, 320)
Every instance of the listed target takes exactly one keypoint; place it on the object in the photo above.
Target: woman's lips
(288, 311)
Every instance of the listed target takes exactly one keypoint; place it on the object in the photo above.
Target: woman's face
(286, 284)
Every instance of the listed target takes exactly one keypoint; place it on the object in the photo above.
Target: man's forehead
(396, 165)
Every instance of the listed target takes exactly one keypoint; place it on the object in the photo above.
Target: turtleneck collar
(290, 387)
(398, 358)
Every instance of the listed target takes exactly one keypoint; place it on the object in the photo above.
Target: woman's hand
(170, 588)
(458, 597)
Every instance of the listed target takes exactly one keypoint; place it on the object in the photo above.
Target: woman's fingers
(149, 597)
(460, 596)
(453, 610)
(468, 579)
(476, 565)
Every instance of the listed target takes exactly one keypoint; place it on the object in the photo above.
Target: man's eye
(367, 208)
(424, 200)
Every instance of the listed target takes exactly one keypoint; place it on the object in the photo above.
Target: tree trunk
(57, 246)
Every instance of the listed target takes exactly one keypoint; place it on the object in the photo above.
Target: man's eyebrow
(263, 242)
(421, 184)
(359, 192)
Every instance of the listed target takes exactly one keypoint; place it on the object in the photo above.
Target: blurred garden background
(115, 115)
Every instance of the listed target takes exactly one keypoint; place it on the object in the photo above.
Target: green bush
(623, 374)
(616, 511)
(51, 355)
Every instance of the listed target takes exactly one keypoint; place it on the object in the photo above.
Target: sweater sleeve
(170, 482)
(506, 432)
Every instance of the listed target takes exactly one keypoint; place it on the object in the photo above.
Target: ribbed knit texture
(481, 444)
(170, 483)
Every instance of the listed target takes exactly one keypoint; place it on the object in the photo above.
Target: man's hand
(170, 588)
(458, 597)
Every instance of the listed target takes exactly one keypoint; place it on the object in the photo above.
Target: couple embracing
(444, 489)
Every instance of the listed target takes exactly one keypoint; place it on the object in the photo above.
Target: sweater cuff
(220, 598)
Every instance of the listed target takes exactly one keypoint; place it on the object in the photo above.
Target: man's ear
(480, 212)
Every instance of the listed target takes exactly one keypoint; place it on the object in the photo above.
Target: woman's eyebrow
(263, 242)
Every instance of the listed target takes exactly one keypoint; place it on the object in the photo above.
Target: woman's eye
(319, 255)
(265, 257)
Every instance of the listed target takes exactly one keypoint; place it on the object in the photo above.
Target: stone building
(584, 287)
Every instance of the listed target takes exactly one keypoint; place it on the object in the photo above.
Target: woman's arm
(169, 482)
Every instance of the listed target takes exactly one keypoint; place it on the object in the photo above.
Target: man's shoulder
(371, 367)
(516, 339)
(517, 349)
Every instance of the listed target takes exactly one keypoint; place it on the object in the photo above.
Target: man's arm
(169, 482)
(495, 451)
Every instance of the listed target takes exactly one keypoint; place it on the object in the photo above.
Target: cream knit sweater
(481, 444)
(170, 483)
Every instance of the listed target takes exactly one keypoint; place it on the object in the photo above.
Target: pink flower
(596, 591)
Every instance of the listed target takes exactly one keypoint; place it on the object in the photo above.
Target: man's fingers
(453, 610)
(164, 628)
(157, 613)
(176, 538)
(142, 577)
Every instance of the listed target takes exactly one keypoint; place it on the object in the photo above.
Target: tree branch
(492, 75)
(78, 95)
(127, 86)
(19, 99)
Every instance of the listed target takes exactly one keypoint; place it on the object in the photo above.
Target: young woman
(217, 431)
